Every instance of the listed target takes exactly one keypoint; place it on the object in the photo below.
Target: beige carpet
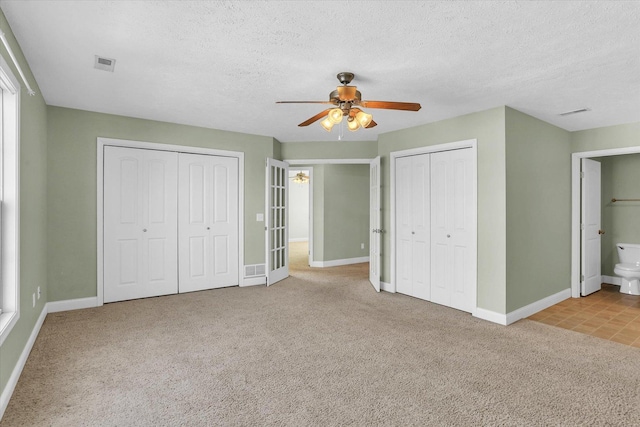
(320, 348)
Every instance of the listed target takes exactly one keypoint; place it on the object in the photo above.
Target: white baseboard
(612, 280)
(299, 239)
(339, 262)
(22, 360)
(254, 281)
(387, 287)
(72, 304)
(537, 306)
(491, 316)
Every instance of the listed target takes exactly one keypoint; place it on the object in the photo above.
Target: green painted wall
(33, 209)
(627, 135)
(346, 211)
(538, 178)
(340, 211)
(620, 220)
(317, 181)
(489, 129)
(330, 150)
(71, 189)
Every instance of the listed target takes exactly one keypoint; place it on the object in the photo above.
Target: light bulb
(335, 116)
(327, 124)
(364, 119)
(353, 125)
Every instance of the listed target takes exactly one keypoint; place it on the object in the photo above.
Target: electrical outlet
(34, 299)
(39, 293)
(361, 245)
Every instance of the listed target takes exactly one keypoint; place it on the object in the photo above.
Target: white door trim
(102, 142)
(576, 159)
(473, 242)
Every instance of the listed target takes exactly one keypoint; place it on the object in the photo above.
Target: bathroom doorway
(606, 248)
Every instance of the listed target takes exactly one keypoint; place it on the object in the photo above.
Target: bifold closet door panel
(404, 240)
(140, 223)
(451, 222)
(421, 213)
(208, 222)
(413, 226)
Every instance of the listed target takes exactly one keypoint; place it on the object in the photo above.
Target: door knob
(144, 230)
(208, 228)
(448, 235)
(600, 231)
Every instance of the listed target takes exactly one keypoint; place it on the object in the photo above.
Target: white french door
(452, 223)
(208, 221)
(277, 183)
(590, 228)
(140, 223)
(375, 224)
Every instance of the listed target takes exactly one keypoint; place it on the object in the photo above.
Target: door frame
(576, 160)
(308, 163)
(102, 142)
(468, 143)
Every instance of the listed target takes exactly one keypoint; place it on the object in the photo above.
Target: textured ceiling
(224, 65)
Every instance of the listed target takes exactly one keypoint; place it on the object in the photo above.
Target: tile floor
(606, 314)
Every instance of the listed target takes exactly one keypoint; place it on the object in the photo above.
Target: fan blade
(305, 102)
(407, 106)
(372, 124)
(315, 118)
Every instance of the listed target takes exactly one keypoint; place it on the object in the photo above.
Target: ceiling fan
(300, 178)
(347, 101)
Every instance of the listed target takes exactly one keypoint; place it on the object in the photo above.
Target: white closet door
(452, 221)
(413, 226)
(421, 228)
(208, 222)
(140, 223)
(404, 238)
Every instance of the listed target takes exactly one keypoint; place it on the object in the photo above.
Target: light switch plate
(260, 217)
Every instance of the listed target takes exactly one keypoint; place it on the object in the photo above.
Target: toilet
(628, 268)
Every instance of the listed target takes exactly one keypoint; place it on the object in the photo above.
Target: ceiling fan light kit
(347, 100)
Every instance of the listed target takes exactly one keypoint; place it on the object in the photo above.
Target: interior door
(277, 182)
(404, 238)
(413, 226)
(140, 223)
(590, 228)
(451, 224)
(208, 221)
(375, 225)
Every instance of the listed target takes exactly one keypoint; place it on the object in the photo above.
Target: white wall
(298, 208)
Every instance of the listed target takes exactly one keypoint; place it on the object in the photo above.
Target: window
(9, 200)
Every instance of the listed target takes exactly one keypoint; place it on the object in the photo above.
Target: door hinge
(581, 175)
(581, 226)
(582, 277)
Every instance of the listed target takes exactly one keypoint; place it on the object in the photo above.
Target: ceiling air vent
(568, 113)
(106, 64)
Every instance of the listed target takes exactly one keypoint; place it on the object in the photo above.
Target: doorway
(300, 215)
(576, 211)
